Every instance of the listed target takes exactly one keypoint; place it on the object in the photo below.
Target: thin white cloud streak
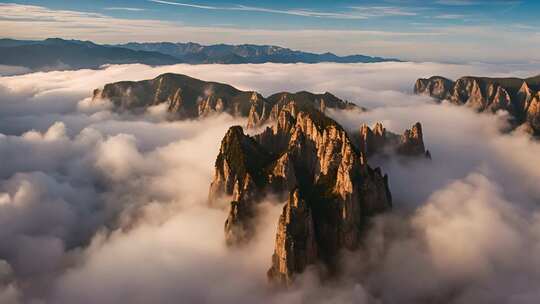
(457, 2)
(477, 2)
(450, 16)
(359, 12)
(148, 180)
(129, 9)
(379, 11)
(188, 5)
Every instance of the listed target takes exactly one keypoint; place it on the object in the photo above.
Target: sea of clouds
(100, 207)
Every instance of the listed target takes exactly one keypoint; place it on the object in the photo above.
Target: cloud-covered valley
(101, 207)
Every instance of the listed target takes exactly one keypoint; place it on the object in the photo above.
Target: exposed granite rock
(296, 245)
(412, 141)
(372, 141)
(436, 86)
(188, 97)
(332, 190)
(380, 141)
(514, 95)
(185, 97)
(533, 112)
(239, 174)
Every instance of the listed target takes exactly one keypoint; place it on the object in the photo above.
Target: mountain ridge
(191, 52)
(62, 54)
(302, 154)
(332, 191)
(520, 97)
(188, 97)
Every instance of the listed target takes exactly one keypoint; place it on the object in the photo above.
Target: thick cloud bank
(97, 207)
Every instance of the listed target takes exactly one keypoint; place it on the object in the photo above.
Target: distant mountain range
(60, 54)
(246, 53)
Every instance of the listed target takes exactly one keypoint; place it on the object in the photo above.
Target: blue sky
(454, 30)
(337, 14)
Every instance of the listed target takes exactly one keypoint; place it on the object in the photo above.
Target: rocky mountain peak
(188, 97)
(380, 141)
(412, 141)
(296, 244)
(379, 130)
(372, 141)
(514, 95)
(308, 158)
(236, 164)
(435, 86)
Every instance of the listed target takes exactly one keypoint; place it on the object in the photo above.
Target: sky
(431, 30)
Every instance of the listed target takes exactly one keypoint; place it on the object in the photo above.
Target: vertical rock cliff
(296, 245)
(379, 141)
(519, 97)
(188, 97)
(310, 158)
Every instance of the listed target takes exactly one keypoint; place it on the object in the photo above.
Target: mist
(100, 207)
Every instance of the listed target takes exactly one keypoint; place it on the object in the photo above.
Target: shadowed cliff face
(519, 97)
(187, 97)
(309, 158)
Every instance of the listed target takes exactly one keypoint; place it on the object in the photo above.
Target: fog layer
(97, 207)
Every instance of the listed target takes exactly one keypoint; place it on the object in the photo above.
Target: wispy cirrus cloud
(380, 11)
(423, 42)
(456, 2)
(355, 12)
(13, 11)
(450, 16)
(189, 5)
(477, 2)
(130, 9)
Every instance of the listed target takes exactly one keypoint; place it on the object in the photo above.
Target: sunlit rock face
(188, 97)
(296, 244)
(303, 157)
(309, 158)
(184, 96)
(519, 97)
(378, 140)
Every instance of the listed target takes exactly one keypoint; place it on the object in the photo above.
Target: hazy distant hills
(246, 53)
(55, 53)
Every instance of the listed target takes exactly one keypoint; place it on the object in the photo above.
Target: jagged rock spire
(378, 140)
(188, 97)
(412, 141)
(296, 245)
(516, 96)
(332, 191)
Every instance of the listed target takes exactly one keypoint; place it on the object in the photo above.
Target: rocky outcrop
(412, 142)
(436, 86)
(514, 95)
(188, 97)
(380, 141)
(239, 174)
(296, 245)
(533, 113)
(185, 97)
(311, 159)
